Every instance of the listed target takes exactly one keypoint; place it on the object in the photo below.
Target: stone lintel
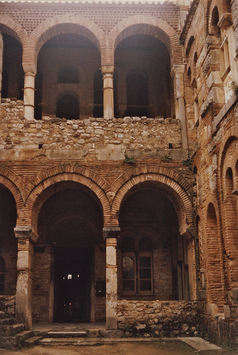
(111, 232)
(26, 232)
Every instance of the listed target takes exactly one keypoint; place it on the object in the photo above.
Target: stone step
(203, 347)
(67, 334)
(25, 334)
(9, 330)
(67, 341)
(3, 315)
(32, 340)
(6, 321)
(9, 342)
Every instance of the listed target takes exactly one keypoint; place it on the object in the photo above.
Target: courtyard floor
(119, 348)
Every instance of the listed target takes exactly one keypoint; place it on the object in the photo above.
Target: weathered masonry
(118, 163)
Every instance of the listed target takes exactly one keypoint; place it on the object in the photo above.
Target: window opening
(137, 267)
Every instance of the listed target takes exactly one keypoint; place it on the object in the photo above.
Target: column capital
(111, 232)
(107, 68)
(29, 68)
(26, 232)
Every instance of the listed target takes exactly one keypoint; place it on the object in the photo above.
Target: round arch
(213, 249)
(61, 25)
(39, 192)
(230, 136)
(140, 24)
(13, 28)
(174, 191)
(10, 181)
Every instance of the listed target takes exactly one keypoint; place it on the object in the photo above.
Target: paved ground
(120, 348)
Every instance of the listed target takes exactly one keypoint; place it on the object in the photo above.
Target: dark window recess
(137, 95)
(100, 288)
(68, 107)
(68, 75)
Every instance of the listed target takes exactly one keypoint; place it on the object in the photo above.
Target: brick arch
(228, 138)
(214, 255)
(174, 190)
(59, 25)
(9, 180)
(13, 29)
(141, 24)
(65, 173)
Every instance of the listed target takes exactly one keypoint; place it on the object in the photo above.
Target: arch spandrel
(149, 25)
(60, 25)
(177, 195)
(36, 195)
(14, 29)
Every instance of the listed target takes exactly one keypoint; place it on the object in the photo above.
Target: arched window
(68, 107)
(215, 30)
(68, 75)
(137, 94)
(2, 274)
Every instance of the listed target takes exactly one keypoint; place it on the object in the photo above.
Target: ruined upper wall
(92, 138)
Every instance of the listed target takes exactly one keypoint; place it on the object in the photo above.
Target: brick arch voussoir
(67, 173)
(230, 136)
(9, 180)
(52, 27)
(161, 170)
(182, 202)
(155, 27)
(15, 29)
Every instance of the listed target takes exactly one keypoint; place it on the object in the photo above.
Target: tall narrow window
(2, 275)
(137, 267)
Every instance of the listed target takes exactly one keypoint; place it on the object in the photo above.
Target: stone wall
(7, 304)
(160, 318)
(92, 138)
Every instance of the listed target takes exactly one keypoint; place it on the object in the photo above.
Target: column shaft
(25, 238)
(111, 235)
(108, 96)
(29, 91)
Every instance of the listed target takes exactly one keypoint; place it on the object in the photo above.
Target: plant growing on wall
(188, 161)
(129, 160)
(167, 158)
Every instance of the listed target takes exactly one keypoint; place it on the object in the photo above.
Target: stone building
(118, 163)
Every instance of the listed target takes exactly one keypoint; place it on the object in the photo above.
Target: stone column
(26, 236)
(29, 90)
(1, 64)
(111, 234)
(178, 76)
(108, 101)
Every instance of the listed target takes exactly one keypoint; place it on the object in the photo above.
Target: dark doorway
(72, 284)
(68, 107)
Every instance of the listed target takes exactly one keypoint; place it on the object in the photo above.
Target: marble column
(29, 90)
(26, 236)
(111, 234)
(178, 76)
(108, 99)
